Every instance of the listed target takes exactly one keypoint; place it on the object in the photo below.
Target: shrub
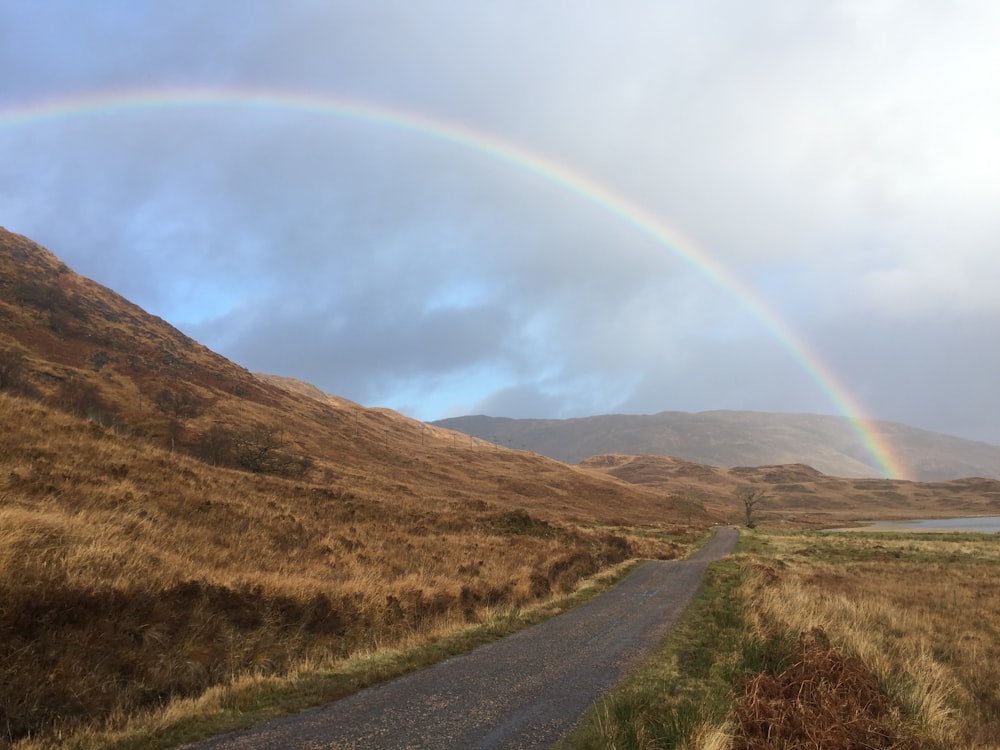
(215, 446)
(83, 399)
(12, 377)
(257, 449)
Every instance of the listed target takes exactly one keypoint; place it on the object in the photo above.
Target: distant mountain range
(829, 444)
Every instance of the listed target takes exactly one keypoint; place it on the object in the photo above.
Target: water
(979, 525)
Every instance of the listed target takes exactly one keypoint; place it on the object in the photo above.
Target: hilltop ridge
(830, 444)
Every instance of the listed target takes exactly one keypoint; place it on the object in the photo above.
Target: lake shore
(975, 524)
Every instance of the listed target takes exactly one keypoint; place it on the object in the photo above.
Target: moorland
(808, 639)
(186, 546)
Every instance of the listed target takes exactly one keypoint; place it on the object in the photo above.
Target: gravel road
(525, 691)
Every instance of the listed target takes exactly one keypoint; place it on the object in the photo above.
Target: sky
(534, 209)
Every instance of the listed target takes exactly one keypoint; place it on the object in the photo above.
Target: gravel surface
(525, 691)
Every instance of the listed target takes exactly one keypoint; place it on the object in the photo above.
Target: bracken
(824, 700)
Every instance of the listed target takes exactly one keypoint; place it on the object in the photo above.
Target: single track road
(524, 691)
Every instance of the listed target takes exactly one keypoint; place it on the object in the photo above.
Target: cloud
(836, 158)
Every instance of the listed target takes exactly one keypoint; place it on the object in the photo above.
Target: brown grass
(131, 576)
(918, 614)
(798, 496)
(825, 699)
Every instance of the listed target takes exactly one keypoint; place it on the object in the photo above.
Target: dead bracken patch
(767, 575)
(824, 700)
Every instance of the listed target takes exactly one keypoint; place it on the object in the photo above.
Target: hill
(741, 438)
(799, 494)
(82, 348)
(170, 521)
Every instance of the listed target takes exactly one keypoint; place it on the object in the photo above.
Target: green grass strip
(685, 687)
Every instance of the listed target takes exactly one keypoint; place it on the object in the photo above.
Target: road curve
(524, 691)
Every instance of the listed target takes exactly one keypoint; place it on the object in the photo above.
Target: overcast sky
(839, 160)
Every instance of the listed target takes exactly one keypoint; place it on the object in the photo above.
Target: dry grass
(807, 641)
(131, 576)
(920, 614)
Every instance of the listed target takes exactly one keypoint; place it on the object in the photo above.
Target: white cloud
(838, 157)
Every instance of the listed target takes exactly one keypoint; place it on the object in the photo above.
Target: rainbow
(495, 148)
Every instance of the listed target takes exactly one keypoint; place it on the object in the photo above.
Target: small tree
(215, 446)
(182, 404)
(751, 497)
(690, 502)
(11, 369)
(258, 449)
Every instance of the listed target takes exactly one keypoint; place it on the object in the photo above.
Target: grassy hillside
(85, 350)
(131, 575)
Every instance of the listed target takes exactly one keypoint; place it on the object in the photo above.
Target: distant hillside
(740, 438)
(800, 494)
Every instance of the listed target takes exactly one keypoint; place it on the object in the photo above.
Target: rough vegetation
(918, 612)
(824, 699)
(806, 640)
(799, 496)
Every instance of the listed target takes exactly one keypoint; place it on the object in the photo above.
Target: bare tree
(258, 449)
(215, 446)
(690, 502)
(11, 369)
(181, 404)
(751, 497)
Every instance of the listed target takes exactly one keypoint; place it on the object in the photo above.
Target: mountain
(83, 348)
(741, 438)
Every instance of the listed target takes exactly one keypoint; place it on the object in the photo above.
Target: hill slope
(81, 347)
(739, 438)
